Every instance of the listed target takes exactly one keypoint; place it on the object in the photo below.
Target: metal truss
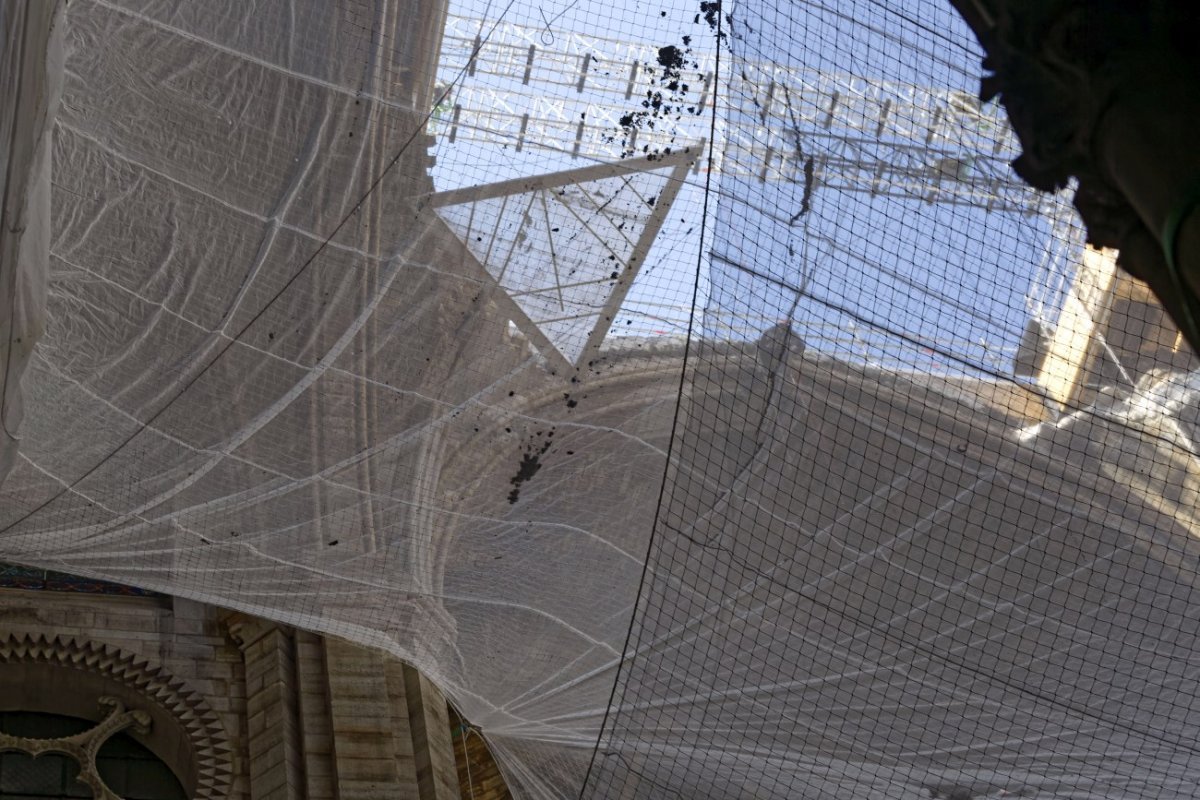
(566, 309)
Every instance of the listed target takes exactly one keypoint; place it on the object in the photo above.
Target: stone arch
(66, 675)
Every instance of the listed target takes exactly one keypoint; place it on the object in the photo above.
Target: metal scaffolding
(595, 99)
(863, 134)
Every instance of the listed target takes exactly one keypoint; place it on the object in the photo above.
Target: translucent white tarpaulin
(685, 471)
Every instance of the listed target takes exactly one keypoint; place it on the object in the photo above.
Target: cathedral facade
(108, 691)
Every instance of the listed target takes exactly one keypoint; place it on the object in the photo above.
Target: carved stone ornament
(66, 675)
(84, 746)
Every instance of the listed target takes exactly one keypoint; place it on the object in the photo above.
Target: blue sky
(894, 280)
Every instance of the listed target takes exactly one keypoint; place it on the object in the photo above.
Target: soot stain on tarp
(529, 466)
(531, 462)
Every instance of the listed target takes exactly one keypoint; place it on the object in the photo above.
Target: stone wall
(153, 641)
(242, 708)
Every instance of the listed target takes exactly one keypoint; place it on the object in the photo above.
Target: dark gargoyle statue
(1108, 92)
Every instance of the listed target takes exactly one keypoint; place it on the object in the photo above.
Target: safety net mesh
(690, 390)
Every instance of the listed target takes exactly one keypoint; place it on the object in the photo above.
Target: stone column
(390, 728)
(429, 721)
(330, 720)
(272, 721)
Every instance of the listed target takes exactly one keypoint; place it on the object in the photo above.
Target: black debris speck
(671, 58)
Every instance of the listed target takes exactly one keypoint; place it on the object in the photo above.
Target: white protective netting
(445, 330)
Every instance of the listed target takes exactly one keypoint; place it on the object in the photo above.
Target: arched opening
(126, 766)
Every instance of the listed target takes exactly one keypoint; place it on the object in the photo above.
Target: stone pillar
(272, 722)
(315, 723)
(368, 737)
(390, 729)
(330, 720)
(429, 720)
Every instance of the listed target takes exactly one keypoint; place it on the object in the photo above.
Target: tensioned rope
(687, 351)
